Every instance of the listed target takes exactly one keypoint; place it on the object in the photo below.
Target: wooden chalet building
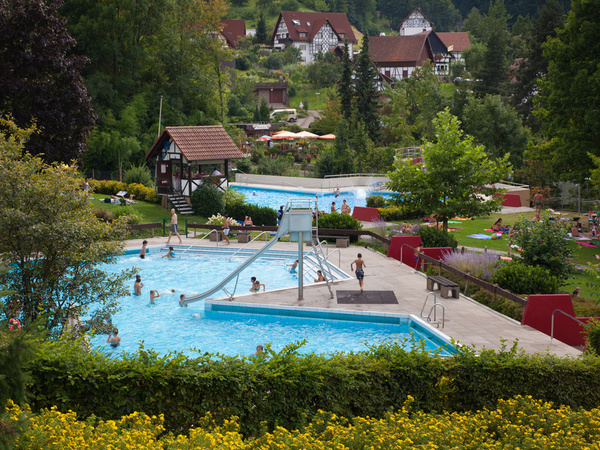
(187, 157)
(312, 32)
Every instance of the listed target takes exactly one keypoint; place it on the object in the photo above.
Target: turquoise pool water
(274, 198)
(165, 327)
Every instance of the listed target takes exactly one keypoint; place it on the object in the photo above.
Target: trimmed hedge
(111, 187)
(284, 389)
(261, 215)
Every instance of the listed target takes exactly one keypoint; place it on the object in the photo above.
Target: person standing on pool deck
(174, 226)
(143, 250)
(138, 285)
(256, 285)
(226, 226)
(360, 272)
(279, 214)
(538, 199)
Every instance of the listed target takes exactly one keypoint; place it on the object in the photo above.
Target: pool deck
(466, 321)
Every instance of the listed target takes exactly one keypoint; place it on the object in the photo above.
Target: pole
(300, 267)
(159, 115)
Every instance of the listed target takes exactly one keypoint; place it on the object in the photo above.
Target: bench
(444, 285)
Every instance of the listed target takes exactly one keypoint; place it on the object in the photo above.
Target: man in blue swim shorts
(360, 273)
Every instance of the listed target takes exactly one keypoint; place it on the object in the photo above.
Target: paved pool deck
(466, 321)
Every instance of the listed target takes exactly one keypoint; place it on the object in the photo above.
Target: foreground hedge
(284, 389)
(517, 423)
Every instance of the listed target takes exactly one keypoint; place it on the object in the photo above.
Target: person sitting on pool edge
(170, 254)
(256, 285)
(113, 339)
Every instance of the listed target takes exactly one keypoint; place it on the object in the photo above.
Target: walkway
(467, 321)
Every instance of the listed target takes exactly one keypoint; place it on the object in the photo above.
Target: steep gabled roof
(395, 49)
(458, 40)
(412, 12)
(198, 143)
(311, 22)
(233, 30)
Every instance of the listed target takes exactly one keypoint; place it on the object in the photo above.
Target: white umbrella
(307, 135)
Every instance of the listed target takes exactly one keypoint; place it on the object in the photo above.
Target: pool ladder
(433, 310)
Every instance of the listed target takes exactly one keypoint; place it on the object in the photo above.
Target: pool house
(188, 157)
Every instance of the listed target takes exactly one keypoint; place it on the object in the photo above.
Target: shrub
(400, 212)
(592, 340)
(479, 265)
(104, 215)
(244, 165)
(375, 201)
(340, 222)
(524, 279)
(436, 237)
(140, 175)
(207, 200)
(111, 187)
(216, 219)
(261, 215)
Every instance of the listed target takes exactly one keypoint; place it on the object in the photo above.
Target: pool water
(274, 198)
(165, 326)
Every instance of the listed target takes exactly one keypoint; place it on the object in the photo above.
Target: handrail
(435, 322)
(206, 234)
(566, 314)
(339, 256)
(425, 303)
(349, 175)
(326, 246)
(247, 243)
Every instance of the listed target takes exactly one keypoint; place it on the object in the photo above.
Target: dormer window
(308, 24)
(303, 35)
(296, 22)
(342, 35)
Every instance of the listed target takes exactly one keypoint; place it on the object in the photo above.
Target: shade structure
(307, 135)
(327, 136)
(264, 138)
(285, 135)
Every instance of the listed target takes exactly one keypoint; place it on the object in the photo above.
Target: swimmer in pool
(256, 285)
(181, 299)
(138, 285)
(143, 250)
(113, 339)
(293, 266)
(320, 277)
(154, 295)
(170, 254)
(259, 350)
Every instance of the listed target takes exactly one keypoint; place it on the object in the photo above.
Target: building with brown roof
(312, 32)
(416, 22)
(456, 43)
(187, 157)
(233, 31)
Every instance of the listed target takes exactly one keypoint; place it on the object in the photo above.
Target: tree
(497, 126)
(261, 30)
(345, 85)
(53, 241)
(40, 82)
(455, 177)
(570, 93)
(365, 92)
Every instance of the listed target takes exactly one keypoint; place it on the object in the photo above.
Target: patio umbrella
(307, 135)
(285, 135)
(327, 136)
(264, 138)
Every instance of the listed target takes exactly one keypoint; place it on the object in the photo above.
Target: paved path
(306, 121)
(467, 321)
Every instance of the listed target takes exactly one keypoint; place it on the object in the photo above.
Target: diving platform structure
(297, 223)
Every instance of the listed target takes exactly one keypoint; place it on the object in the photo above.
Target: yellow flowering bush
(111, 187)
(520, 422)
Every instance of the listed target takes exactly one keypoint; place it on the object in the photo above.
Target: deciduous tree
(455, 177)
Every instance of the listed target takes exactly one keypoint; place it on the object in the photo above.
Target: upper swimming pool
(274, 198)
(234, 329)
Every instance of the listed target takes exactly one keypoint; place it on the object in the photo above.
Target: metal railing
(433, 310)
(337, 250)
(566, 314)
(248, 243)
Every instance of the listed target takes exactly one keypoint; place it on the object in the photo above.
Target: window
(296, 22)
(308, 24)
(302, 34)
(342, 35)
(302, 47)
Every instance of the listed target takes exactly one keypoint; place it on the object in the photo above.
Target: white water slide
(297, 222)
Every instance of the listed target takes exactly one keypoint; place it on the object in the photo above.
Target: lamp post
(318, 93)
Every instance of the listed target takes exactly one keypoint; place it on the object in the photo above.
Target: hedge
(111, 187)
(285, 389)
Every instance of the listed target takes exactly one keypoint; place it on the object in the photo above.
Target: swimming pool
(274, 198)
(165, 327)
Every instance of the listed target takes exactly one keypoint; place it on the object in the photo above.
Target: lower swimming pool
(274, 198)
(165, 327)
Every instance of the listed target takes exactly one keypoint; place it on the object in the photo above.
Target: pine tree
(261, 30)
(365, 90)
(345, 86)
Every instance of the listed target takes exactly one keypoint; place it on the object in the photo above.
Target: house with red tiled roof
(187, 157)
(312, 32)
(233, 31)
(456, 43)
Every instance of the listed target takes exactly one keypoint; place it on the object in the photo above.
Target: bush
(521, 278)
(261, 215)
(286, 389)
(592, 340)
(207, 200)
(375, 201)
(479, 265)
(244, 165)
(401, 212)
(140, 175)
(111, 187)
(436, 237)
(340, 222)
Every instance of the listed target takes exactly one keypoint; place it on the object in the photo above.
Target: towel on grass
(586, 244)
(492, 231)
(480, 236)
